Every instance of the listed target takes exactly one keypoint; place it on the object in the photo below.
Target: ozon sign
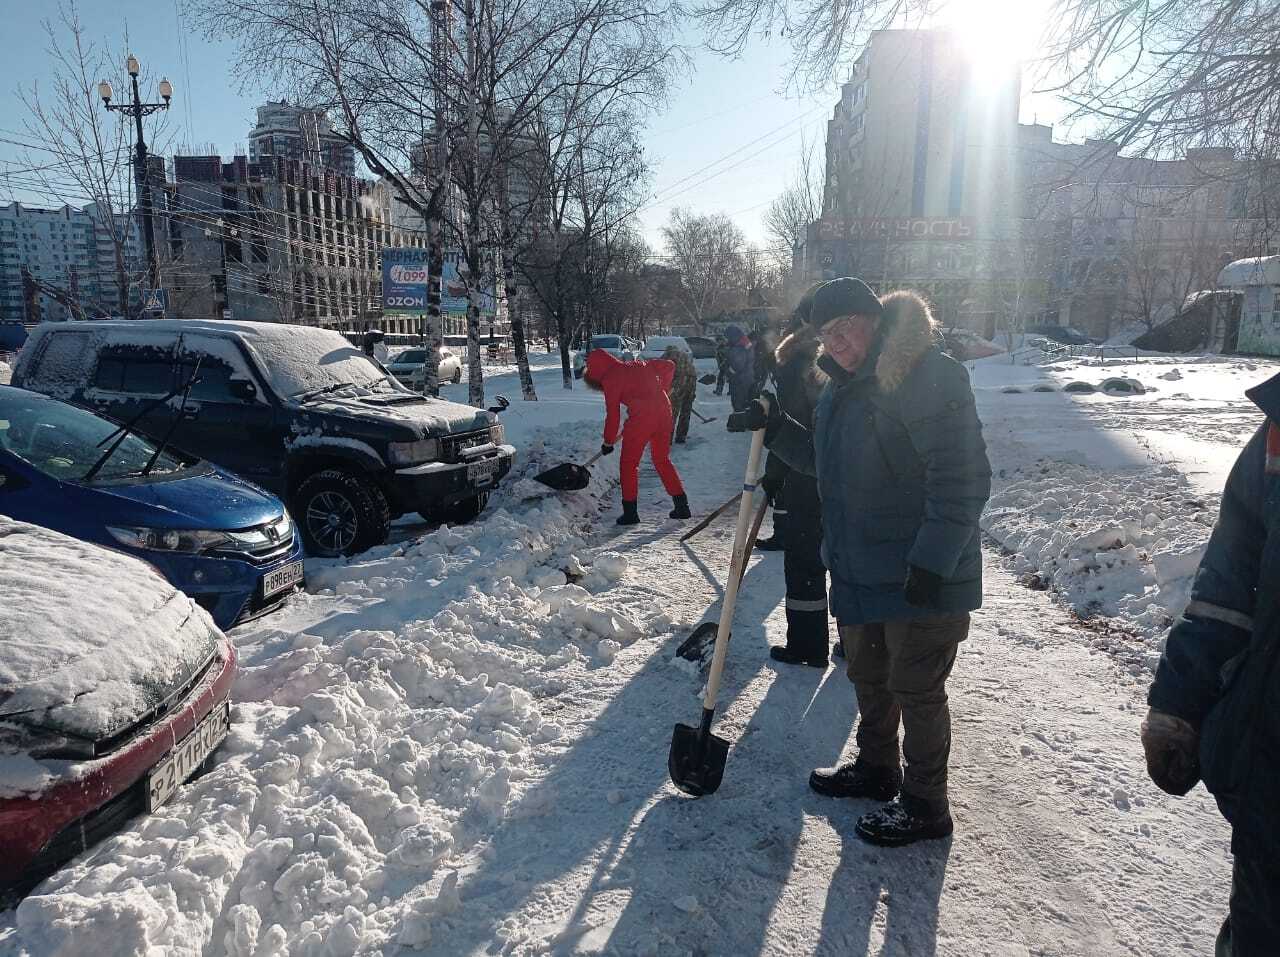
(404, 281)
(896, 229)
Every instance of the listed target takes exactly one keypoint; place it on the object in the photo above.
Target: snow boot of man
(773, 543)
(681, 509)
(857, 780)
(629, 514)
(904, 821)
(789, 656)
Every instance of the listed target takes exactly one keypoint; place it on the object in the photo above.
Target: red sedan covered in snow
(114, 690)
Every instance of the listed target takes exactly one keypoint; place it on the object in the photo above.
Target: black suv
(295, 409)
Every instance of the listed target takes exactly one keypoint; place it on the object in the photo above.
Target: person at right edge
(1215, 701)
(897, 449)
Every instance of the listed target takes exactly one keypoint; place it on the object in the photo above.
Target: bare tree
(710, 253)
(787, 218)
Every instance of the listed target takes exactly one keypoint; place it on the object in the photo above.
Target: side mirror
(243, 389)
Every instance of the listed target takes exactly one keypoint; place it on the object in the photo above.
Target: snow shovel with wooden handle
(702, 418)
(568, 476)
(697, 758)
(692, 648)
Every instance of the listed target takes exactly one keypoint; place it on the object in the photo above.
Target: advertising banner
(404, 282)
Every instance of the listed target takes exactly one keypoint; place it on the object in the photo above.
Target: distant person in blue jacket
(897, 449)
(742, 368)
(1215, 701)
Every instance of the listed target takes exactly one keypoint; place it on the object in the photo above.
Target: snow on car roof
(90, 636)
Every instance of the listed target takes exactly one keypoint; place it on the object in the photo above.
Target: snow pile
(1121, 545)
(371, 747)
(6, 373)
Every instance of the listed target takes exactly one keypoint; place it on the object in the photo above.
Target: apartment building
(277, 241)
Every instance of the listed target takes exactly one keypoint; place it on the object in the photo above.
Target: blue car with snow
(294, 409)
(230, 546)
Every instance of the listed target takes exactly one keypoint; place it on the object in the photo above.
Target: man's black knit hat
(842, 297)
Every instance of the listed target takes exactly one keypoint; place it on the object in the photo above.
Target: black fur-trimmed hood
(797, 357)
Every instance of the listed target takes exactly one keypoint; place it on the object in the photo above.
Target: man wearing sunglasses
(897, 448)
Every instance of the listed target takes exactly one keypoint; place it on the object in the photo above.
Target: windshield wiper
(182, 410)
(126, 429)
(324, 390)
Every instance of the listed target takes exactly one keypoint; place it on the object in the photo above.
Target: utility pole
(137, 109)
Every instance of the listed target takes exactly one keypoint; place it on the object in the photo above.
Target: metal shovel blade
(697, 758)
(565, 477)
(691, 648)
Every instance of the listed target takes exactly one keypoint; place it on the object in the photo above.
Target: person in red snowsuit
(642, 388)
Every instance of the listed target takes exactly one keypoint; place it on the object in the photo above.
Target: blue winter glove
(923, 587)
(606, 450)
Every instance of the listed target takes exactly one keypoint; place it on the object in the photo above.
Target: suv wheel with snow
(340, 514)
(459, 513)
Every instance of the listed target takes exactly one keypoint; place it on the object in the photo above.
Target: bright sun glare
(997, 33)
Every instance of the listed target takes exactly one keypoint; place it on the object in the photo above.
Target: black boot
(857, 780)
(771, 544)
(905, 821)
(681, 503)
(629, 514)
(789, 657)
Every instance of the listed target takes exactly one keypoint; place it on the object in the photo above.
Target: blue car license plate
(286, 576)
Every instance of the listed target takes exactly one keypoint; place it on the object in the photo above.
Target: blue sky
(729, 141)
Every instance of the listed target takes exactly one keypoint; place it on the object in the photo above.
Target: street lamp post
(137, 109)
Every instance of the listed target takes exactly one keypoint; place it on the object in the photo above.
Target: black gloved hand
(772, 485)
(754, 417)
(923, 588)
(1172, 747)
(606, 449)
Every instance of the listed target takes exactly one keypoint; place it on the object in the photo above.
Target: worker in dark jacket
(797, 515)
(1215, 701)
(897, 449)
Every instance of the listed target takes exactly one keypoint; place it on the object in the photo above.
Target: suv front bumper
(434, 484)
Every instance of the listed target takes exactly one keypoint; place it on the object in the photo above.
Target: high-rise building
(277, 241)
(919, 160)
(70, 249)
(300, 133)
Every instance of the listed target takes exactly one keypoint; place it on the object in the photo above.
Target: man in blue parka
(897, 448)
(1215, 701)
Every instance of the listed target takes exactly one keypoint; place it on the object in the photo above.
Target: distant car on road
(617, 346)
(1064, 335)
(230, 546)
(409, 367)
(114, 690)
(965, 345)
(701, 346)
(655, 346)
(295, 409)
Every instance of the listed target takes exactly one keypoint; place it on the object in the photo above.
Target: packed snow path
(447, 750)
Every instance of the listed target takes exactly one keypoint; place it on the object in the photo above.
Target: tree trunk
(432, 326)
(122, 280)
(566, 364)
(511, 289)
(475, 368)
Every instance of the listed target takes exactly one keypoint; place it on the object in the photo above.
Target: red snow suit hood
(637, 385)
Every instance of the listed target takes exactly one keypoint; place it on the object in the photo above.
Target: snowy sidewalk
(448, 748)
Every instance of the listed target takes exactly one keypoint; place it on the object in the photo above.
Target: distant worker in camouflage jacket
(684, 385)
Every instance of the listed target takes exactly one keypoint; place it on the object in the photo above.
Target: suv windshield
(62, 441)
(414, 356)
(308, 362)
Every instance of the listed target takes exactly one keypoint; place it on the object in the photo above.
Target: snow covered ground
(456, 743)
